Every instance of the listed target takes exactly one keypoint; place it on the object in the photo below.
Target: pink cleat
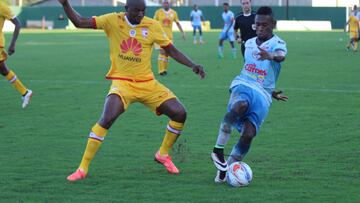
(166, 161)
(77, 175)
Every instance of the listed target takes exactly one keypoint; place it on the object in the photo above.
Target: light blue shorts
(229, 36)
(258, 107)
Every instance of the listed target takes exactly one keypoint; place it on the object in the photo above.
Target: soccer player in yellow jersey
(353, 23)
(166, 16)
(131, 38)
(6, 14)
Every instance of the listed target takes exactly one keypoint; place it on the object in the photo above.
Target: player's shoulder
(276, 39)
(146, 21)
(173, 11)
(251, 42)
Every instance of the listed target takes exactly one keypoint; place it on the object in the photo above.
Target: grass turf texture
(307, 150)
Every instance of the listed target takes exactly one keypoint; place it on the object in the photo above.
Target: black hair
(265, 10)
(226, 4)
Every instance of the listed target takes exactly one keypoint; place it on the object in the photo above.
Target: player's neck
(259, 41)
(247, 13)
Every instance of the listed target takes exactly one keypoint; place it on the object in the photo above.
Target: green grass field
(307, 150)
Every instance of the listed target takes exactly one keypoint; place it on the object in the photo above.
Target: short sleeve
(103, 22)
(280, 45)
(6, 12)
(160, 36)
(156, 16)
(176, 18)
(237, 23)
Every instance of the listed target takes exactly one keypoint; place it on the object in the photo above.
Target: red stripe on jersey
(94, 22)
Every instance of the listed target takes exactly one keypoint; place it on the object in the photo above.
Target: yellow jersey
(354, 24)
(131, 45)
(166, 19)
(5, 14)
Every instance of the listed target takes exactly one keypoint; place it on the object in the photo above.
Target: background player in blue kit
(227, 32)
(251, 91)
(197, 17)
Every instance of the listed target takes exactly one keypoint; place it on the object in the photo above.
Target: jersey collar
(128, 22)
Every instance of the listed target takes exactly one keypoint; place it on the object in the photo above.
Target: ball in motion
(239, 174)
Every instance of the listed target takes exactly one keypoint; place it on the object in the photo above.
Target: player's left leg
(15, 81)
(177, 114)
(201, 35)
(242, 147)
(163, 62)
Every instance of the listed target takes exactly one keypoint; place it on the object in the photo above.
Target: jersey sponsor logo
(166, 22)
(131, 45)
(132, 33)
(144, 32)
(252, 69)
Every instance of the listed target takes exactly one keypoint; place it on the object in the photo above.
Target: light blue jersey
(260, 75)
(196, 17)
(228, 19)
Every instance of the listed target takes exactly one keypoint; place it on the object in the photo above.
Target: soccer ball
(239, 174)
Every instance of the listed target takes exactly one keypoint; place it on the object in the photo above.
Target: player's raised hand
(279, 96)
(11, 49)
(199, 70)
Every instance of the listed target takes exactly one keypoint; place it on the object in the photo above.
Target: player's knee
(3, 70)
(179, 115)
(240, 108)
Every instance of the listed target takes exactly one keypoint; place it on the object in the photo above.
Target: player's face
(166, 5)
(264, 26)
(135, 13)
(195, 7)
(246, 4)
(226, 8)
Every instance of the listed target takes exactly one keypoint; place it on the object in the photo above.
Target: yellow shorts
(3, 54)
(354, 35)
(151, 93)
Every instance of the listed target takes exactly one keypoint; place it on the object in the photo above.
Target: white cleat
(26, 99)
(222, 166)
(218, 179)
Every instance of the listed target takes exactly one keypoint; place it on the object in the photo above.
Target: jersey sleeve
(156, 15)
(280, 45)
(103, 22)
(6, 12)
(160, 36)
(176, 18)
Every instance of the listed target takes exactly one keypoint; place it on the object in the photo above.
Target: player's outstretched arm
(75, 17)
(278, 55)
(181, 58)
(279, 96)
(17, 24)
(181, 30)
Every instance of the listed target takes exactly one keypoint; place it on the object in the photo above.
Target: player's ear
(274, 23)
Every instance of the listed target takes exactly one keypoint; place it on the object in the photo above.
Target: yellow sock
(162, 63)
(95, 139)
(173, 131)
(17, 84)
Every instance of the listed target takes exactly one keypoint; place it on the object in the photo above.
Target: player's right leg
(221, 46)
(194, 34)
(113, 108)
(15, 81)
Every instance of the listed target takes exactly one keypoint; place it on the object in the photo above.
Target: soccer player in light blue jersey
(251, 92)
(227, 32)
(197, 17)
